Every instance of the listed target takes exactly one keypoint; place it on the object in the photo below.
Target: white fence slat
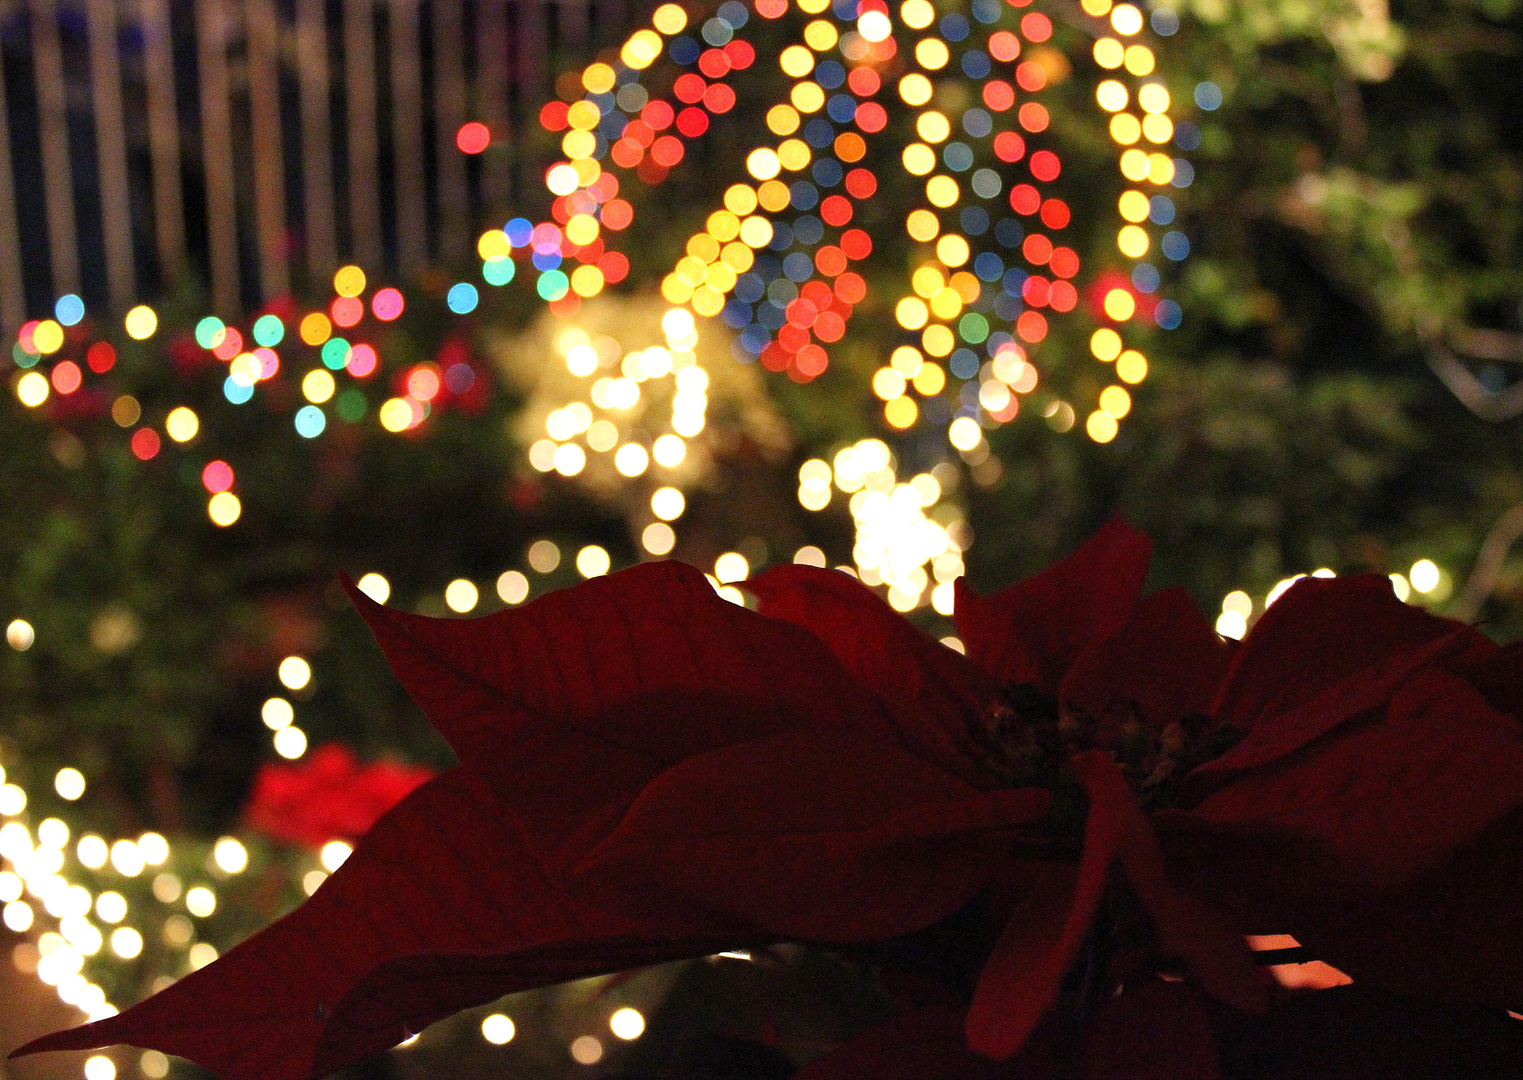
(111, 153)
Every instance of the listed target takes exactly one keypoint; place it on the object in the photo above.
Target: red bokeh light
(145, 443)
(67, 377)
(473, 138)
(217, 476)
(101, 357)
(387, 304)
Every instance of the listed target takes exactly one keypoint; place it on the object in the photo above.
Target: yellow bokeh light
(763, 164)
(930, 380)
(669, 19)
(915, 89)
(641, 50)
(931, 54)
(952, 249)
(395, 415)
(461, 596)
(756, 232)
(181, 424)
(927, 281)
(1134, 165)
(773, 195)
(737, 256)
(141, 322)
(917, 14)
(691, 270)
(315, 329)
(919, 159)
(888, 383)
(1154, 98)
(933, 126)
(1139, 60)
(32, 389)
(1119, 305)
(1116, 401)
(796, 60)
(48, 337)
(937, 340)
(707, 300)
(1125, 129)
(907, 361)
(1126, 19)
(1109, 53)
(1131, 366)
(582, 229)
(578, 144)
(1111, 95)
(911, 313)
(586, 171)
(947, 304)
(1132, 240)
(922, 225)
(587, 281)
(1097, 8)
(821, 35)
(224, 508)
(1101, 426)
(794, 154)
(1105, 344)
(676, 290)
(317, 387)
(703, 246)
(1134, 206)
(349, 281)
(964, 433)
(902, 412)
(583, 116)
(942, 191)
(493, 244)
(1160, 168)
(740, 199)
(667, 503)
(598, 78)
(782, 120)
(1157, 127)
(807, 97)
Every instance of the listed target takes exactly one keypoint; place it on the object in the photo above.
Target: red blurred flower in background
(649, 772)
(329, 795)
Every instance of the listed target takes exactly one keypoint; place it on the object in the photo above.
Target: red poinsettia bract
(329, 795)
(649, 772)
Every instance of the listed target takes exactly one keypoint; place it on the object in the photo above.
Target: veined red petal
(1023, 974)
(932, 692)
(1392, 795)
(1167, 659)
(1321, 632)
(1021, 978)
(1273, 738)
(1033, 631)
(572, 704)
(817, 835)
(441, 879)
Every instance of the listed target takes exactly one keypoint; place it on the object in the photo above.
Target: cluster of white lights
(1425, 578)
(616, 392)
(901, 529)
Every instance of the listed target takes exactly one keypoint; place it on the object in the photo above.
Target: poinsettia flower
(328, 795)
(648, 772)
(1374, 807)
